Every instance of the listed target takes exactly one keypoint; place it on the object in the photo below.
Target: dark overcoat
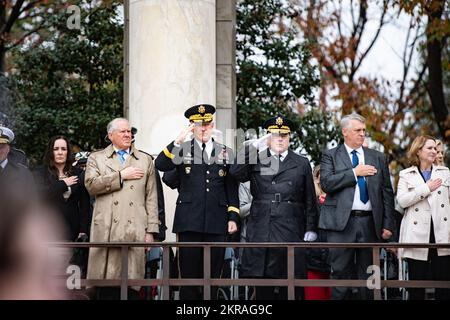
(283, 208)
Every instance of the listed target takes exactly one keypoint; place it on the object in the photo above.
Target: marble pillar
(172, 65)
(226, 69)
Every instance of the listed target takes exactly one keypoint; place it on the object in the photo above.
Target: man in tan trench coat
(122, 179)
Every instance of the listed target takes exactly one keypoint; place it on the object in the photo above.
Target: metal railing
(290, 282)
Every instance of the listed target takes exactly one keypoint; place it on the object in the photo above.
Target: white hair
(113, 124)
(345, 121)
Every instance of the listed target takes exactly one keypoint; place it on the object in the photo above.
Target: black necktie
(204, 155)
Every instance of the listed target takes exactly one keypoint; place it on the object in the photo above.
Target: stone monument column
(172, 65)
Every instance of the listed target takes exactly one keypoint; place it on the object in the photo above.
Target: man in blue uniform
(208, 203)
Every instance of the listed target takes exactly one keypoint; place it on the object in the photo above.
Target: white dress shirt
(282, 155)
(126, 155)
(208, 148)
(4, 163)
(357, 203)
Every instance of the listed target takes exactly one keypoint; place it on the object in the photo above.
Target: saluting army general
(283, 208)
(122, 179)
(207, 205)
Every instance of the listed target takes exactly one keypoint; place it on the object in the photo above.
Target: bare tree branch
(374, 39)
(19, 41)
(15, 13)
(406, 64)
(30, 5)
(353, 15)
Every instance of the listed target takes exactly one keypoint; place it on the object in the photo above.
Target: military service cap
(278, 124)
(6, 135)
(200, 113)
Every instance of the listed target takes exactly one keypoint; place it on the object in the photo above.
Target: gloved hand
(260, 143)
(310, 236)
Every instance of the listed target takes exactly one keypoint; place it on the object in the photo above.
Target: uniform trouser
(276, 258)
(435, 268)
(348, 263)
(191, 262)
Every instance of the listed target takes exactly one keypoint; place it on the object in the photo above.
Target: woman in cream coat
(423, 191)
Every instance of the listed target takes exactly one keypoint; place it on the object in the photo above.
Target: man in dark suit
(16, 181)
(208, 203)
(283, 209)
(359, 206)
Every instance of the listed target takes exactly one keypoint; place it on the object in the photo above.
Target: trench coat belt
(275, 197)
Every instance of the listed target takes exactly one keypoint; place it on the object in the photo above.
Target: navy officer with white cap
(6, 138)
(208, 203)
(15, 178)
(15, 155)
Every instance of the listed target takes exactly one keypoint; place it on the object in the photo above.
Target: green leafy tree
(24, 21)
(275, 75)
(71, 84)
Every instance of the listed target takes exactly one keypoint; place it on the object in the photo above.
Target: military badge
(279, 121)
(223, 157)
(187, 170)
(222, 173)
(201, 110)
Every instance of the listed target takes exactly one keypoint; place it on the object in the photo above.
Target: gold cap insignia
(201, 109)
(279, 121)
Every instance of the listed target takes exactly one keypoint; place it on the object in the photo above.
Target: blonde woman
(423, 191)
(440, 160)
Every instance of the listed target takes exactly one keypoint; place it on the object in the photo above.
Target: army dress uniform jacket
(123, 212)
(283, 208)
(208, 195)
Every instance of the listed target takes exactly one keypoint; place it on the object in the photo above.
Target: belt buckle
(277, 197)
(360, 213)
